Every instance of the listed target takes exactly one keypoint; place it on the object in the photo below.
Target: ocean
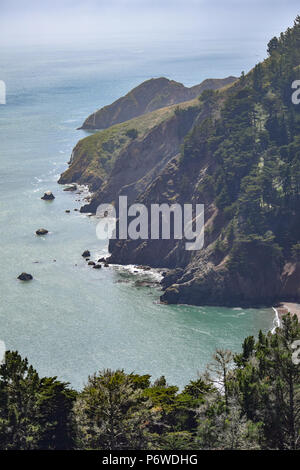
(71, 320)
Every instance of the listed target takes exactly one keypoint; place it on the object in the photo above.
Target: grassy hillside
(94, 156)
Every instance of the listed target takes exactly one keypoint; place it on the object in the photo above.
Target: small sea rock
(146, 283)
(72, 187)
(91, 263)
(25, 277)
(144, 268)
(141, 283)
(48, 196)
(41, 231)
(97, 266)
(68, 211)
(86, 254)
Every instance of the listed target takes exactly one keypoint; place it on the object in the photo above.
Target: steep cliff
(147, 97)
(125, 153)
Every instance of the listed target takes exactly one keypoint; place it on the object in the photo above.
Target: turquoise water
(73, 320)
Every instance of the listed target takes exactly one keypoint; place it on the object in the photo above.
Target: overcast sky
(83, 21)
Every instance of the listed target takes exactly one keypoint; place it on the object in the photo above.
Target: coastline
(288, 307)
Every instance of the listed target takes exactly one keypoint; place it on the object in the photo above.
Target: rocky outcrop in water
(25, 277)
(72, 187)
(86, 254)
(41, 231)
(48, 196)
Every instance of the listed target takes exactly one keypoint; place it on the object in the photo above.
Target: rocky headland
(150, 95)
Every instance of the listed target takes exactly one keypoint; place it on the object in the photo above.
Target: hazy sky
(84, 21)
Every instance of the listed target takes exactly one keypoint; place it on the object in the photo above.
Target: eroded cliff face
(204, 282)
(290, 281)
(143, 159)
(200, 277)
(122, 154)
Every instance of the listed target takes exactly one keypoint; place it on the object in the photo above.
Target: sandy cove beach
(288, 307)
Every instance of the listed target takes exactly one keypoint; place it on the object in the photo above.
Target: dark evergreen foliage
(249, 400)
